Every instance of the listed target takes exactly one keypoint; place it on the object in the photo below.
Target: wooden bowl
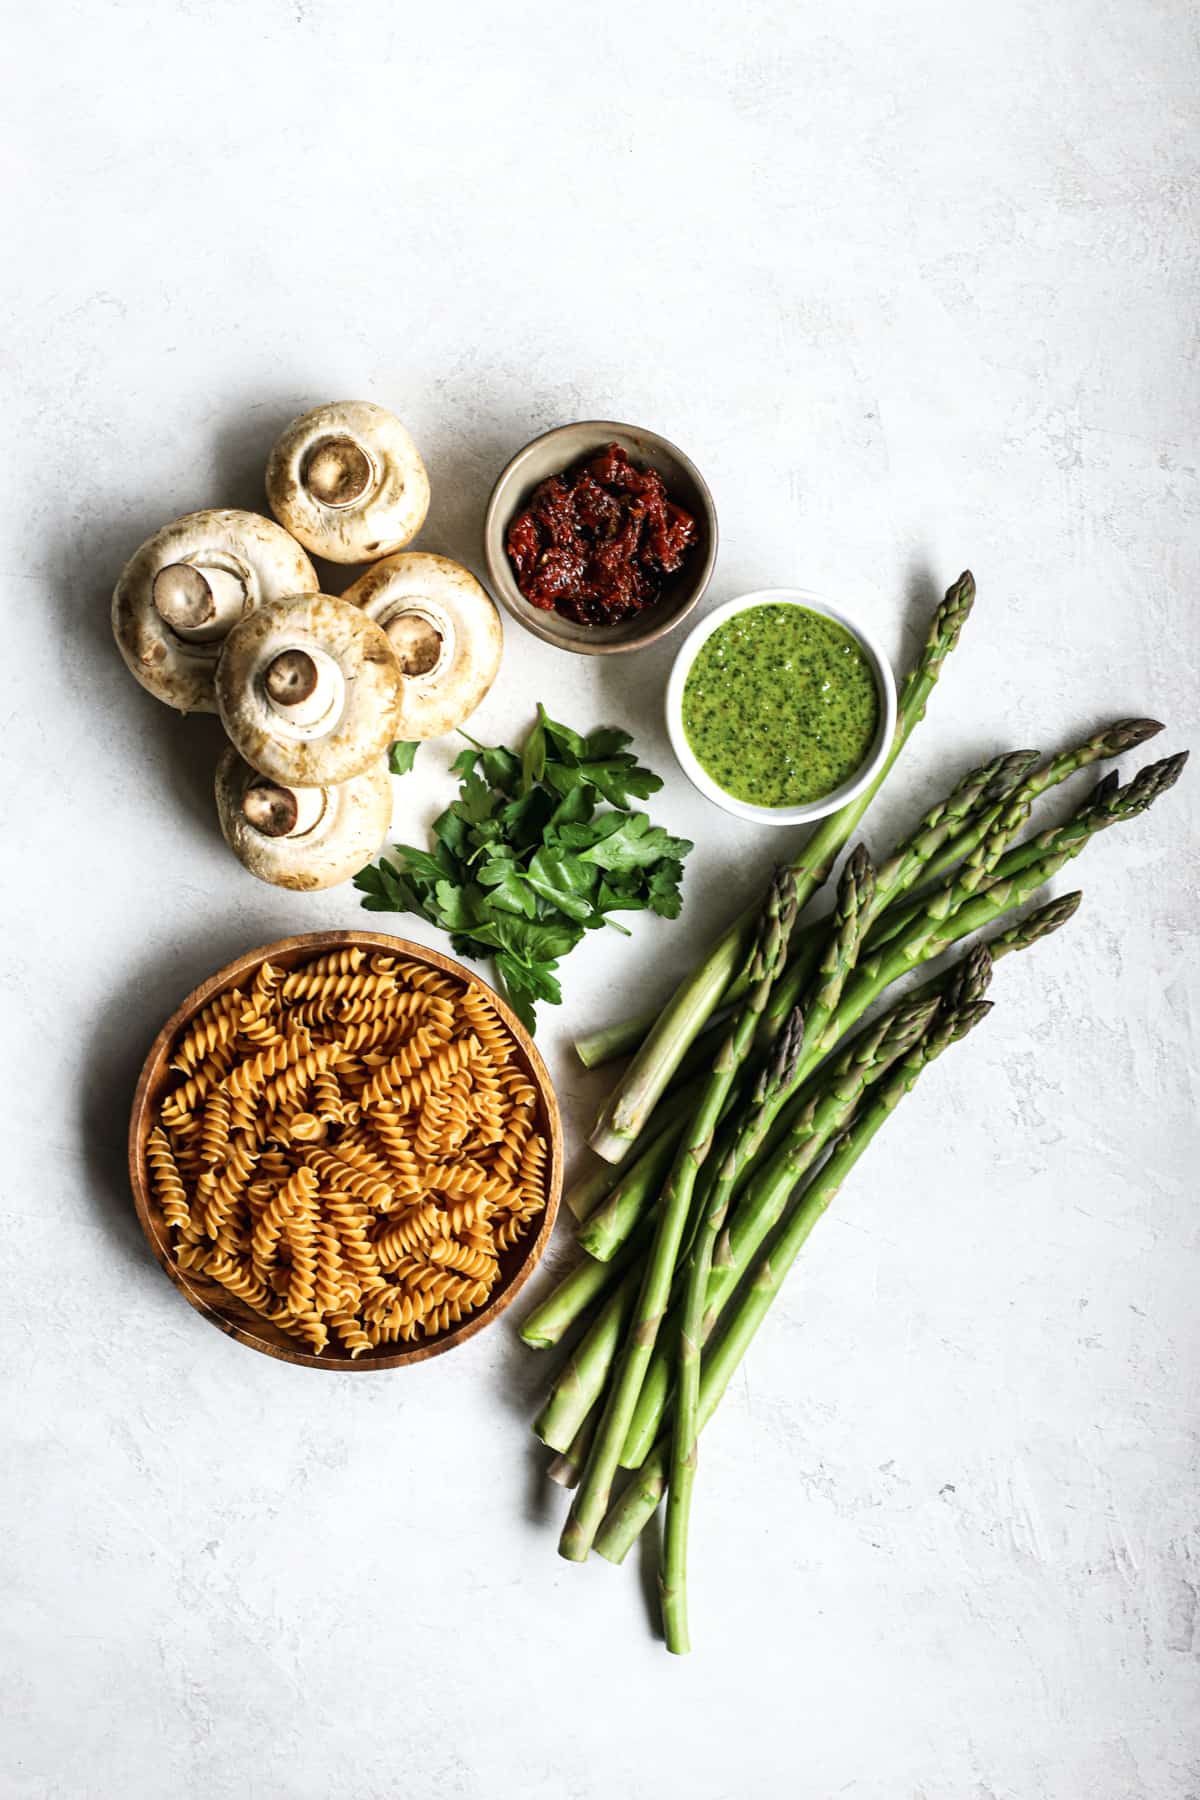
(223, 1309)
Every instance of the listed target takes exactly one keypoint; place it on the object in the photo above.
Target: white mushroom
(347, 480)
(302, 838)
(445, 632)
(188, 585)
(309, 691)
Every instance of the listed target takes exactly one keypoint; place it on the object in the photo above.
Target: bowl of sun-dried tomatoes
(600, 537)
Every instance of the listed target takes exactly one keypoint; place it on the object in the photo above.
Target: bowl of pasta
(345, 1151)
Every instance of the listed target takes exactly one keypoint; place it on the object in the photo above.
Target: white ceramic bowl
(815, 809)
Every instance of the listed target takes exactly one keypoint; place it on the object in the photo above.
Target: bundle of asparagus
(755, 1091)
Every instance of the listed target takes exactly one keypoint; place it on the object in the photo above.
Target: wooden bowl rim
(315, 943)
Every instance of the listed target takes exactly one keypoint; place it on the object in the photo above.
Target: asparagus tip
(858, 862)
(1144, 789)
(1011, 770)
(1136, 731)
(969, 979)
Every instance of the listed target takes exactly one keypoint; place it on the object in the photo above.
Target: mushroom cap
(358, 727)
(373, 486)
(452, 619)
(354, 821)
(256, 550)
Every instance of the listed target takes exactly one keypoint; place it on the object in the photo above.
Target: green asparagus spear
(567, 1466)
(591, 1499)
(576, 1293)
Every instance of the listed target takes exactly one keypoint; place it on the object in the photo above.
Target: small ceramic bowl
(814, 809)
(220, 1307)
(561, 449)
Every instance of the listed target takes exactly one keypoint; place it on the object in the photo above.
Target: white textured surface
(915, 286)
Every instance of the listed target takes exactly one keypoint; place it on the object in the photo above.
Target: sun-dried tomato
(595, 542)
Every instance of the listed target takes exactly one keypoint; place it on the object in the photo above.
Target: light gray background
(916, 287)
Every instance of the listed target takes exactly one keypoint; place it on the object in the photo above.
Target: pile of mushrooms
(222, 612)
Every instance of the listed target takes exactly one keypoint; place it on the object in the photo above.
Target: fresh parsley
(402, 756)
(540, 847)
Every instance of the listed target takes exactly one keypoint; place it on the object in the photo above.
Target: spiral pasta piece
(221, 1189)
(288, 1087)
(359, 1254)
(328, 1102)
(466, 1178)
(348, 1330)
(305, 1128)
(239, 1278)
(165, 1180)
(214, 1132)
(360, 1147)
(432, 1121)
(327, 1293)
(393, 1006)
(395, 1139)
(533, 1171)
(429, 981)
(450, 1312)
(334, 962)
(312, 1329)
(300, 1232)
(434, 1073)
(507, 1159)
(405, 1232)
(449, 1255)
(296, 1194)
(214, 1026)
(494, 1038)
(457, 1216)
(260, 1028)
(337, 1172)
(337, 988)
(183, 1100)
(372, 1039)
(400, 1068)
(518, 1088)
(253, 1072)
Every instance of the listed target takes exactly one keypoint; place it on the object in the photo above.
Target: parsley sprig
(539, 848)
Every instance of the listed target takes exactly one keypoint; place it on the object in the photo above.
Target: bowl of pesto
(780, 707)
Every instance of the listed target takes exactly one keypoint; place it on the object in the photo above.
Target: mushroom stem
(305, 687)
(199, 603)
(419, 642)
(282, 812)
(338, 472)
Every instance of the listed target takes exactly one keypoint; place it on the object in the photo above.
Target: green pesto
(780, 706)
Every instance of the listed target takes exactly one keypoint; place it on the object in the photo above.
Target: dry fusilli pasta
(349, 1149)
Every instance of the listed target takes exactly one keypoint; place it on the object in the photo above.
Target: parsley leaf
(402, 756)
